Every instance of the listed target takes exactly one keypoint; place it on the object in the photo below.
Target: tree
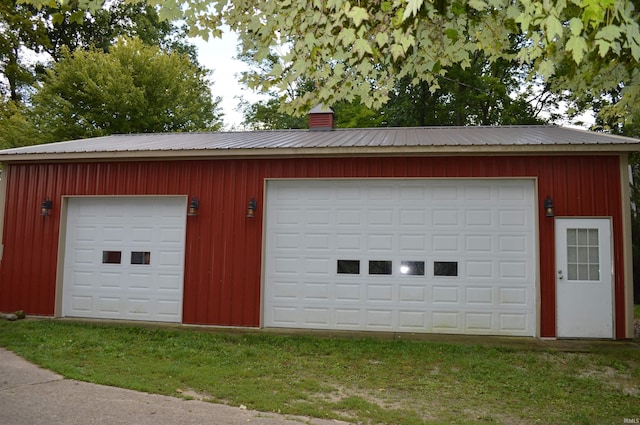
(16, 128)
(71, 28)
(485, 93)
(21, 27)
(132, 89)
(361, 49)
(47, 31)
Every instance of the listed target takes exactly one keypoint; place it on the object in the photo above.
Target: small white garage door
(443, 256)
(124, 258)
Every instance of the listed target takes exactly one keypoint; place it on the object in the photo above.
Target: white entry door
(584, 278)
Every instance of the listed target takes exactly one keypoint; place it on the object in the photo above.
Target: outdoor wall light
(548, 207)
(46, 207)
(252, 207)
(194, 205)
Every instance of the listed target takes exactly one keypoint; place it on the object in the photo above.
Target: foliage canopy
(361, 48)
(132, 89)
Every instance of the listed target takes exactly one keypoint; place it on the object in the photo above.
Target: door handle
(560, 275)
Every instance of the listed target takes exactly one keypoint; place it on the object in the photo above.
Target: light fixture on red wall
(548, 207)
(46, 207)
(194, 205)
(252, 207)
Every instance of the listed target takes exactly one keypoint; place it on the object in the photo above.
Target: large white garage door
(448, 256)
(124, 258)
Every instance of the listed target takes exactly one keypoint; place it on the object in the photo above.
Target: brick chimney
(321, 118)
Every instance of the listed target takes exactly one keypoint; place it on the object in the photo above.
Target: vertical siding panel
(228, 205)
(547, 186)
(239, 248)
(193, 276)
(614, 192)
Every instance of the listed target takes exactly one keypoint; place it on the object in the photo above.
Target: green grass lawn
(370, 381)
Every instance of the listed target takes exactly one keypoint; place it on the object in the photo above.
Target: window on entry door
(583, 262)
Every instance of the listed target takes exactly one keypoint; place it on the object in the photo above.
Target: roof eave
(570, 149)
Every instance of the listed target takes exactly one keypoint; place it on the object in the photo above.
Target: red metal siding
(224, 248)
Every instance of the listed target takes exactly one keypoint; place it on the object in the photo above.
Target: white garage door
(124, 258)
(444, 256)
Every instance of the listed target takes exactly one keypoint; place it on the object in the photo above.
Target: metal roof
(369, 141)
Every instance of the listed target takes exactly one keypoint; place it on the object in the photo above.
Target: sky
(217, 54)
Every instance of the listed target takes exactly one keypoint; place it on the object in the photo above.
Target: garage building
(519, 231)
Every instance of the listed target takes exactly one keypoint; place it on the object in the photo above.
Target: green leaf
(310, 39)
(412, 8)
(382, 38)
(396, 51)
(609, 33)
(478, 4)
(276, 71)
(346, 37)
(578, 47)
(361, 47)
(451, 34)
(334, 4)
(553, 27)
(575, 25)
(77, 17)
(546, 68)
(458, 8)
(57, 18)
(358, 15)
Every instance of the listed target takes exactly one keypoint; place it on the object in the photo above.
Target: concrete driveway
(30, 395)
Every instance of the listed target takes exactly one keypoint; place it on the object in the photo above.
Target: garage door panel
(513, 270)
(81, 304)
(288, 216)
(124, 257)
(316, 291)
(479, 244)
(518, 323)
(347, 318)
(479, 269)
(83, 279)
(479, 296)
(108, 280)
(83, 256)
(446, 321)
(317, 317)
(169, 282)
(412, 294)
(318, 216)
(412, 217)
(379, 319)
(168, 308)
(446, 244)
(380, 242)
(412, 243)
(477, 322)
(471, 244)
(348, 217)
(513, 192)
(347, 292)
(412, 320)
